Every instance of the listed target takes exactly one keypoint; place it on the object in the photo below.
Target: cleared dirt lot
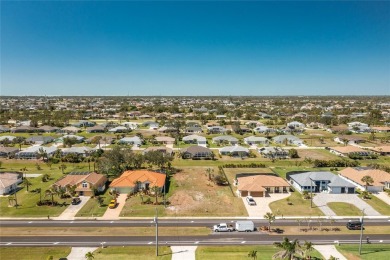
(194, 195)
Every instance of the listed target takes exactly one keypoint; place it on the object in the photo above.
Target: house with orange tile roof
(381, 150)
(349, 149)
(132, 181)
(260, 185)
(355, 175)
(85, 182)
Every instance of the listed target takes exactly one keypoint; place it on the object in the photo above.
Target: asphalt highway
(172, 222)
(234, 238)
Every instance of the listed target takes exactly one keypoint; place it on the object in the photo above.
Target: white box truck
(245, 226)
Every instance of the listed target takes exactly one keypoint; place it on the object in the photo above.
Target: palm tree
(271, 218)
(156, 191)
(26, 183)
(307, 247)
(89, 256)
(252, 254)
(40, 194)
(289, 249)
(368, 180)
(62, 168)
(51, 192)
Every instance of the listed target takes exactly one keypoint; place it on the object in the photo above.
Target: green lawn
(132, 252)
(28, 200)
(379, 205)
(369, 252)
(299, 207)
(33, 253)
(344, 209)
(93, 209)
(238, 252)
(134, 208)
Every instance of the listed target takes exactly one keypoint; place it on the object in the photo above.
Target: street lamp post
(361, 233)
(156, 221)
(311, 192)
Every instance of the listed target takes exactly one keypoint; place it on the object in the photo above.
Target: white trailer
(245, 226)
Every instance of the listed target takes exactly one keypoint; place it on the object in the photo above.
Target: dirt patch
(196, 195)
(316, 154)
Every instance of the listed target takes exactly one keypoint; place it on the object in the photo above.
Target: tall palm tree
(89, 256)
(307, 248)
(26, 183)
(252, 254)
(156, 191)
(51, 192)
(368, 180)
(271, 218)
(289, 249)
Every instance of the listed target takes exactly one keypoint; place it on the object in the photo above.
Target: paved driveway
(262, 204)
(383, 196)
(321, 199)
(114, 213)
(71, 211)
(78, 253)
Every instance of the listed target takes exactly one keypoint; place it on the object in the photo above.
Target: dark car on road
(354, 225)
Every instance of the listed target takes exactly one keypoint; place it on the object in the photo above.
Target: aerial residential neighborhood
(195, 130)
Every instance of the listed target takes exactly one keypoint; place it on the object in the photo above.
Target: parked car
(354, 225)
(112, 204)
(76, 201)
(223, 227)
(250, 201)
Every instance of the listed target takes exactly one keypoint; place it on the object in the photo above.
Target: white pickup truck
(223, 227)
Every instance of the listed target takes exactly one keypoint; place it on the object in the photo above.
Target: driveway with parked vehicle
(262, 203)
(71, 211)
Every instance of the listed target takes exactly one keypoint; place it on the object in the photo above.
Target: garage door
(244, 193)
(351, 190)
(257, 194)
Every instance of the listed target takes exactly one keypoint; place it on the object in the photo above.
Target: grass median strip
(329, 230)
(104, 231)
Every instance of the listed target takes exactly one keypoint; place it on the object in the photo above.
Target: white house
(234, 151)
(135, 140)
(9, 182)
(251, 140)
(195, 139)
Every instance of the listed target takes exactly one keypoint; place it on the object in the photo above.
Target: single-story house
(273, 152)
(9, 137)
(23, 129)
(84, 123)
(225, 139)
(296, 125)
(195, 139)
(8, 152)
(264, 129)
(80, 150)
(347, 150)
(9, 182)
(348, 140)
(39, 139)
(320, 182)
(132, 181)
(354, 175)
(134, 140)
(287, 140)
(381, 129)
(381, 150)
(165, 139)
(196, 152)
(167, 129)
(96, 129)
(251, 140)
(216, 129)
(69, 130)
(33, 152)
(260, 185)
(152, 125)
(130, 125)
(119, 129)
(85, 182)
(235, 151)
(4, 129)
(79, 139)
(193, 130)
(49, 129)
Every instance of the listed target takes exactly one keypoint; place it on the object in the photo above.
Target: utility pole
(156, 221)
(164, 196)
(361, 233)
(311, 192)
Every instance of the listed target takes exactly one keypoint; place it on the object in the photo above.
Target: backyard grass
(238, 252)
(369, 252)
(299, 207)
(379, 205)
(132, 253)
(344, 209)
(33, 253)
(92, 207)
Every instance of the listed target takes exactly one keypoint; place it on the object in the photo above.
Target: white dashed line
(8, 244)
(29, 222)
(112, 222)
(197, 242)
(243, 242)
(56, 243)
(150, 243)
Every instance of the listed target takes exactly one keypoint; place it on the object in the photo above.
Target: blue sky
(195, 48)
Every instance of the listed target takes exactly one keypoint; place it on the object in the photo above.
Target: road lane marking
(112, 222)
(56, 243)
(150, 243)
(8, 244)
(197, 242)
(29, 222)
(192, 221)
(71, 222)
(243, 242)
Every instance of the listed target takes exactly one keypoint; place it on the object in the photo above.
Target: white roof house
(250, 140)
(234, 150)
(135, 140)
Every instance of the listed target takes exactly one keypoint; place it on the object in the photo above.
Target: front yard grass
(379, 205)
(92, 207)
(33, 253)
(299, 207)
(239, 252)
(132, 253)
(344, 209)
(369, 252)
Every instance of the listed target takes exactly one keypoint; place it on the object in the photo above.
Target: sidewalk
(183, 252)
(329, 250)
